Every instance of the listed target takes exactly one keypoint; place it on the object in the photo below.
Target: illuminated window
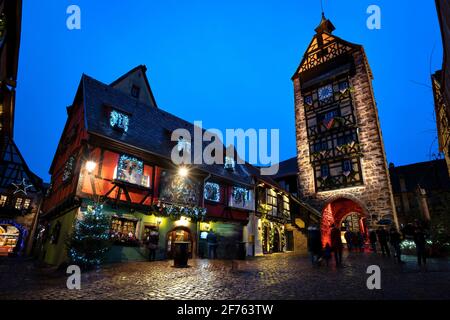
(212, 191)
(18, 204)
(68, 169)
(26, 203)
(131, 170)
(3, 200)
(272, 201)
(119, 121)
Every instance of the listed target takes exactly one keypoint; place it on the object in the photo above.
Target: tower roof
(325, 25)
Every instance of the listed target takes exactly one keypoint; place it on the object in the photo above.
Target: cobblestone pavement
(278, 276)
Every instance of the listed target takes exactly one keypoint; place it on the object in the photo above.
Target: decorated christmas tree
(90, 239)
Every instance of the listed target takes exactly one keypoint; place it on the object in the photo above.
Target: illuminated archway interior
(336, 212)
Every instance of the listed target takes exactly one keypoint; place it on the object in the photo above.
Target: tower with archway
(342, 165)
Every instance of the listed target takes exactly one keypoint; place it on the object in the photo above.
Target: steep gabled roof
(13, 167)
(324, 47)
(288, 167)
(141, 73)
(149, 128)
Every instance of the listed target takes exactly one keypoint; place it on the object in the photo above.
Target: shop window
(212, 191)
(9, 236)
(131, 170)
(119, 121)
(3, 200)
(68, 169)
(18, 204)
(123, 231)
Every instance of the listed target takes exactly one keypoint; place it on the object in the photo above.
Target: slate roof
(430, 175)
(288, 167)
(149, 128)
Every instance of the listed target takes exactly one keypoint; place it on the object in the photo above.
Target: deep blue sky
(227, 63)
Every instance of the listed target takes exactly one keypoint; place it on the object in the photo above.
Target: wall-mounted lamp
(183, 171)
(90, 166)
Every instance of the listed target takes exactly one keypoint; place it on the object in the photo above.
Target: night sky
(227, 63)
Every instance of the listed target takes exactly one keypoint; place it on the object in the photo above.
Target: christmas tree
(90, 239)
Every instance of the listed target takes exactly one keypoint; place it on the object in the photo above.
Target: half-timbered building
(116, 150)
(20, 188)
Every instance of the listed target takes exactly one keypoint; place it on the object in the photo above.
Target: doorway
(178, 234)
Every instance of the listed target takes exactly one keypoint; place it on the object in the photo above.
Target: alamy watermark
(207, 147)
(374, 280)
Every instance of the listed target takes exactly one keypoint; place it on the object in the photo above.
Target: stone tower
(342, 164)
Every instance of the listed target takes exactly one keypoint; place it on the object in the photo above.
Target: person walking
(153, 240)
(420, 241)
(336, 244)
(348, 239)
(327, 253)
(211, 239)
(314, 244)
(373, 240)
(395, 240)
(383, 240)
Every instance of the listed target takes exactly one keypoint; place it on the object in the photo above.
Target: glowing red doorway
(335, 211)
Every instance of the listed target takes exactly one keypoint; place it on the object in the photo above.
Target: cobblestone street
(279, 276)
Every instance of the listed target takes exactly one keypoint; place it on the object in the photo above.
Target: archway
(337, 211)
(276, 240)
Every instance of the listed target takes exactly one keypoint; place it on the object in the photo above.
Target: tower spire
(325, 24)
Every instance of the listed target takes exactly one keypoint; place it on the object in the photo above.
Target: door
(178, 234)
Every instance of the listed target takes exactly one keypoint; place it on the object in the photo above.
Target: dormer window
(183, 146)
(119, 121)
(135, 91)
(229, 163)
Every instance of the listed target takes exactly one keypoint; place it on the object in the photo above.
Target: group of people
(355, 240)
(389, 241)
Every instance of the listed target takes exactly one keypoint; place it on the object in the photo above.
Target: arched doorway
(178, 234)
(276, 240)
(344, 213)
